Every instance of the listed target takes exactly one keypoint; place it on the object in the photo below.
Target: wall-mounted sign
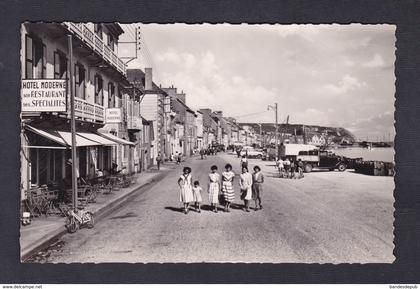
(44, 95)
(113, 115)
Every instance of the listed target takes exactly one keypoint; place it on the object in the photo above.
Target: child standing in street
(197, 196)
(214, 188)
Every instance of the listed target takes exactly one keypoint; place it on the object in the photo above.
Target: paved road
(327, 217)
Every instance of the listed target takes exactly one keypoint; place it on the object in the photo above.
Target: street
(326, 217)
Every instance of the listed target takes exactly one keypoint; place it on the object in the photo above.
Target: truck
(312, 157)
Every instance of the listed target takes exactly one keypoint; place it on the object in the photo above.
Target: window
(110, 41)
(79, 81)
(98, 30)
(118, 101)
(111, 95)
(35, 58)
(60, 65)
(98, 90)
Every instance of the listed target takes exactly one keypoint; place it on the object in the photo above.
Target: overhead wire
(250, 114)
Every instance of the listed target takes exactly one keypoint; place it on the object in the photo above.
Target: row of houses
(123, 119)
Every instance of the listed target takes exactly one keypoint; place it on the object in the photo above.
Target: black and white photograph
(207, 143)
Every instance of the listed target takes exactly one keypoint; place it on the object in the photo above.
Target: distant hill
(338, 134)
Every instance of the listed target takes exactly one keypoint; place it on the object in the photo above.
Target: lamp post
(275, 109)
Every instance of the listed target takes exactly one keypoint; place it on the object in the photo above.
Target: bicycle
(76, 219)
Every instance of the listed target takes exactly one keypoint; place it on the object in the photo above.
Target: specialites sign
(44, 95)
(113, 115)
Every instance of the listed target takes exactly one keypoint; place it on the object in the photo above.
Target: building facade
(200, 132)
(99, 77)
(152, 109)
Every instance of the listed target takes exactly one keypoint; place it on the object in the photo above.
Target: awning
(117, 139)
(47, 134)
(97, 138)
(80, 141)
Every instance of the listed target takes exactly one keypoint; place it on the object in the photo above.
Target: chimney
(148, 84)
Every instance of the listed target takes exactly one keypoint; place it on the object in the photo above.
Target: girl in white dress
(197, 196)
(185, 188)
(214, 188)
(245, 183)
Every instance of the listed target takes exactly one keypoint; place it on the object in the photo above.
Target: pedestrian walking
(197, 195)
(257, 181)
(178, 159)
(238, 152)
(292, 169)
(214, 188)
(244, 162)
(158, 161)
(245, 183)
(286, 164)
(227, 186)
(280, 167)
(300, 167)
(185, 188)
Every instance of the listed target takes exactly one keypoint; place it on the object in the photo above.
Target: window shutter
(29, 57)
(29, 48)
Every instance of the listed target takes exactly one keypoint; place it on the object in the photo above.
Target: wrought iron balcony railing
(95, 42)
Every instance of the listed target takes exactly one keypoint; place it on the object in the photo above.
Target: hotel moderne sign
(44, 95)
(113, 115)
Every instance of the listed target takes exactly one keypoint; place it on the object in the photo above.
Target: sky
(332, 75)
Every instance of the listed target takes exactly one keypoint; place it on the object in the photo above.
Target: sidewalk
(44, 230)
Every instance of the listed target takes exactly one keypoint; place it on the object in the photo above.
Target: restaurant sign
(44, 95)
(113, 115)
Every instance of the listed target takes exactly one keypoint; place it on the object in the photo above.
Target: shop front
(123, 156)
(46, 157)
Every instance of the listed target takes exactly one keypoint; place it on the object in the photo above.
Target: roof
(186, 107)
(114, 28)
(137, 76)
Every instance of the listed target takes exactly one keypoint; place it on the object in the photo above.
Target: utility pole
(74, 162)
(277, 132)
(275, 108)
(261, 136)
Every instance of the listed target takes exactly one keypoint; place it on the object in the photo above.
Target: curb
(100, 212)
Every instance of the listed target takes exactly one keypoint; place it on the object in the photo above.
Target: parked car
(252, 153)
(245, 150)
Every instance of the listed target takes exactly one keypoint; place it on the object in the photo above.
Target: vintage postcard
(210, 143)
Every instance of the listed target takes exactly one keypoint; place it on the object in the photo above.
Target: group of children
(220, 188)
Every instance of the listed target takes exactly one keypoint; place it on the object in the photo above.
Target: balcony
(95, 43)
(134, 123)
(88, 111)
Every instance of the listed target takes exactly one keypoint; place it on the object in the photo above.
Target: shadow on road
(180, 210)
(237, 206)
(206, 208)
